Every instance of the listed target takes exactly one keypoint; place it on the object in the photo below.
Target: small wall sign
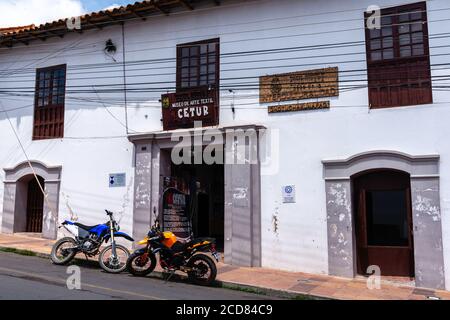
(288, 194)
(117, 180)
(300, 107)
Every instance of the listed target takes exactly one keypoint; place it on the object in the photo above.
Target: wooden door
(384, 223)
(35, 206)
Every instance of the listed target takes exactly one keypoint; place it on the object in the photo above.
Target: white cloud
(113, 6)
(24, 12)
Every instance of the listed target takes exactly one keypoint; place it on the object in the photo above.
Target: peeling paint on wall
(275, 222)
(126, 199)
(48, 219)
(240, 197)
(428, 247)
(340, 246)
(240, 193)
(142, 196)
(333, 230)
(338, 195)
(143, 172)
(424, 205)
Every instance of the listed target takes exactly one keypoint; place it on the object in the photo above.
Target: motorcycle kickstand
(170, 276)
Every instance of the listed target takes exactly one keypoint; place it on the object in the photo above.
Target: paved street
(23, 277)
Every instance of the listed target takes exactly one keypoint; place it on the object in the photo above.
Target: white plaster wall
(306, 138)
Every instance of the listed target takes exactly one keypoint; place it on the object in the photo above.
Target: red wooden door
(384, 223)
(35, 206)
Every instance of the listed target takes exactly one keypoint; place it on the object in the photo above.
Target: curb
(237, 286)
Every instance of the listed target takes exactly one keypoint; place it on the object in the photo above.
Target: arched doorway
(24, 208)
(35, 205)
(424, 178)
(383, 222)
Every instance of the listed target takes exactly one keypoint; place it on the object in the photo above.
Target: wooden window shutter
(398, 58)
(198, 65)
(49, 103)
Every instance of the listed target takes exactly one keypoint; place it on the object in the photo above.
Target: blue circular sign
(288, 189)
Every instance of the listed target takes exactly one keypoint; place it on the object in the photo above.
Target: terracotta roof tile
(100, 19)
(12, 30)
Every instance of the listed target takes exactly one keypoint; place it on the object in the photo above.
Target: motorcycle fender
(156, 250)
(140, 251)
(73, 229)
(119, 235)
(143, 241)
(202, 247)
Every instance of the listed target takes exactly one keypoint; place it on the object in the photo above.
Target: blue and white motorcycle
(88, 240)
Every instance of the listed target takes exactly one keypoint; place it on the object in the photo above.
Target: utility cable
(45, 194)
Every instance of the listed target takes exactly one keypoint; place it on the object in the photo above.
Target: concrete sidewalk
(273, 281)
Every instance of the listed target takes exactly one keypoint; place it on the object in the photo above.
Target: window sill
(401, 106)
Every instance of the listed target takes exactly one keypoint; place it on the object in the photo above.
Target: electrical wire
(261, 38)
(236, 69)
(41, 187)
(146, 87)
(283, 18)
(226, 63)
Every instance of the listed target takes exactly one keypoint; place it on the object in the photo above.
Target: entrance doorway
(35, 206)
(206, 198)
(383, 223)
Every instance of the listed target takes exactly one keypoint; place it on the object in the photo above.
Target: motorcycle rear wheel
(60, 255)
(204, 270)
(139, 268)
(117, 266)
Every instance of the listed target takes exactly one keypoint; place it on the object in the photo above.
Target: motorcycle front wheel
(63, 251)
(204, 270)
(140, 265)
(112, 264)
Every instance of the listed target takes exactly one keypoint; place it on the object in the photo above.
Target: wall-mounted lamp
(110, 47)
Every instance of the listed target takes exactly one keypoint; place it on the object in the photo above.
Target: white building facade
(368, 161)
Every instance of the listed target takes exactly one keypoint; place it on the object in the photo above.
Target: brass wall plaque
(300, 107)
(299, 85)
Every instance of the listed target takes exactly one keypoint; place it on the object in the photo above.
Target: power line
(284, 18)
(226, 85)
(41, 187)
(263, 38)
(124, 76)
(342, 88)
(157, 61)
(436, 104)
(222, 55)
(57, 52)
(110, 113)
(243, 69)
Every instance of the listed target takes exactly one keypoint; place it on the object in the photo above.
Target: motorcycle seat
(199, 240)
(82, 226)
(182, 246)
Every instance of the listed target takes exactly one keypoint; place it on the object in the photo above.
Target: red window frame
(398, 58)
(49, 102)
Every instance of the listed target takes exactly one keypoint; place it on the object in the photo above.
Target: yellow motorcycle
(175, 256)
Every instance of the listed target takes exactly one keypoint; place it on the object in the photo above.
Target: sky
(25, 12)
